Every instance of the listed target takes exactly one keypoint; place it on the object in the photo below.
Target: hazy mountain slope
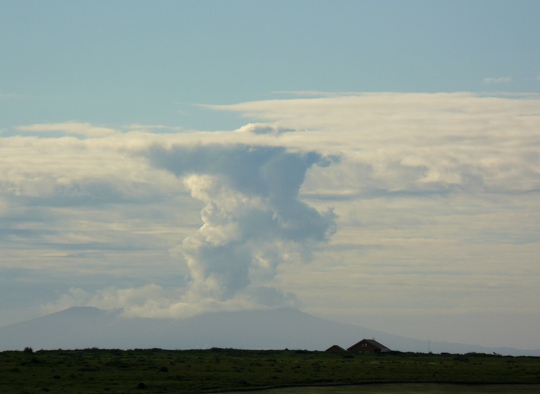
(85, 327)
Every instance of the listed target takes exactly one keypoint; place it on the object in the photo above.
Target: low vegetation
(219, 370)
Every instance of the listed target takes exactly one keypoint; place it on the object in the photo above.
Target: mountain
(86, 327)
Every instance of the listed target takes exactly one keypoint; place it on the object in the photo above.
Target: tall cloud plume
(252, 219)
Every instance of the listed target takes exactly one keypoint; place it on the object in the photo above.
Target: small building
(335, 349)
(368, 346)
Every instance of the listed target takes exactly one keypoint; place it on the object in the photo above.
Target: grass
(408, 388)
(215, 370)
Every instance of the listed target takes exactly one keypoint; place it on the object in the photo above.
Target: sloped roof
(335, 348)
(371, 342)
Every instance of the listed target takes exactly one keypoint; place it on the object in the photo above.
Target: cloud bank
(401, 203)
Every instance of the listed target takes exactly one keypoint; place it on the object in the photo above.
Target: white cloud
(435, 196)
(497, 81)
(415, 141)
(76, 128)
(252, 217)
(155, 301)
(151, 128)
(258, 128)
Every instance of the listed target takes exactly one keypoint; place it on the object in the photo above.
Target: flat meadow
(408, 388)
(289, 371)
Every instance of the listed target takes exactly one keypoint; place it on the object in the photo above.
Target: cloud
(252, 221)
(4, 206)
(158, 302)
(434, 208)
(258, 128)
(75, 128)
(153, 128)
(146, 299)
(252, 217)
(429, 143)
(497, 81)
(12, 96)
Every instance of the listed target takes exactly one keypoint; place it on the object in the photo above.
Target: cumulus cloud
(253, 219)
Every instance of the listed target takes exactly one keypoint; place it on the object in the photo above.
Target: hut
(335, 349)
(368, 346)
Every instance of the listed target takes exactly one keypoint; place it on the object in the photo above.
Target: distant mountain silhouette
(86, 327)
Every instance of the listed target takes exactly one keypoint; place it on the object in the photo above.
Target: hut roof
(335, 348)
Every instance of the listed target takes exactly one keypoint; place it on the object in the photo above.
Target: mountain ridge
(87, 327)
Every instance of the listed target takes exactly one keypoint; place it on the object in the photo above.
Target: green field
(214, 370)
(407, 388)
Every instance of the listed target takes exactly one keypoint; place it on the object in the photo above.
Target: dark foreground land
(219, 370)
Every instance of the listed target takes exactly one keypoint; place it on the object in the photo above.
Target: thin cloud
(12, 96)
(153, 128)
(314, 93)
(84, 129)
(497, 81)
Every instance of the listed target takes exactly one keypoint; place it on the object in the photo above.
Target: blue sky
(127, 62)
(371, 162)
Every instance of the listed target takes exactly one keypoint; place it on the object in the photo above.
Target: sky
(375, 163)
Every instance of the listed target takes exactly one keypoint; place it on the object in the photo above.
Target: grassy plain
(214, 370)
(408, 388)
